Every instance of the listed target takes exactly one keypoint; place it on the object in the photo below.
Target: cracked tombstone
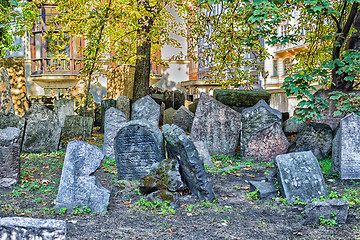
(6, 102)
(299, 175)
(64, 107)
(9, 157)
(182, 148)
(78, 188)
(137, 146)
(114, 120)
(183, 118)
(217, 125)
(346, 148)
(146, 109)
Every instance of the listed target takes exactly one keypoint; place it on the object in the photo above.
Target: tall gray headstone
(64, 107)
(168, 115)
(254, 118)
(73, 126)
(299, 175)
(42, 132)
(183, 118)
(266, 143)
(180, 147)
(346, 148)
(9, 157)
(123, 104)
(105, 105)
(78, 187)
(217, 125)
(13, 120)
(137, 146)
(146, 109)
(114, 120)
(6, 102)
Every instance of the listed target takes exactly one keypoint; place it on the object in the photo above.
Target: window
(284, 30)
(275, 68)
(287, 66)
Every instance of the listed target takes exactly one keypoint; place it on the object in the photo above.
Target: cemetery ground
(236, 214)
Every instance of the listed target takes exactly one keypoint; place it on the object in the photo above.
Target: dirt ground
(234, 216)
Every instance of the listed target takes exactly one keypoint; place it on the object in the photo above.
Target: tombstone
(74, 126)
(6, 102)
(204, 154)
(255, 118)
(123, 104)
(299, 175)
(9, 157)
(217, 125)
(137, 146)
(97, 115)
(240, 98)
(12, 120)
(266, 143)
(162, 109)
(192, 107)
(42, 132)
(292, 126)
(63, 107)
(105, 105)
(168, 115)
(182, 148)
(114, 120)
(146, 109)
(78, 187)
(266, 190)
(346, 148)
(183, 118)
(313, 137)
(32, 228)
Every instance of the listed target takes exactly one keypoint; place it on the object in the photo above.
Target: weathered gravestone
(73, 126)
(32, 228)
(315, 137)
(240, 98)
(255, 118)
(114, 120)
(346, 148)
(146, 109)
(9, 157)
(328, 209)
(180, 147)
(123, 104)
(105, 105)
(204, 154)
(168, 115)
(266, 143)
(162, 109)
(217, 125)
(299, 175)
(137, 146)
(6, 102)
(42, 132)
(266, 190)
(183, 118)
(12, 120)
(78, 188)
(63, 107)
(292, 126)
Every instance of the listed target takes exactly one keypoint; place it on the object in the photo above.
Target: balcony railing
(289, 46)
(55, 66)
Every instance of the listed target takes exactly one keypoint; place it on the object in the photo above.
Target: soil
(234, 216)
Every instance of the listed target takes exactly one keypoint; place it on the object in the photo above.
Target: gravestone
(266, 143)
(78, 187)
(217, 125)
(183, 118)
(42, 132)
(32, 228)
(9, 157)
(299, 175)
(240, 98)
(137, 146)
(6, 102)
(162, 109)
(254, 118)
(123, 104)
(73, 126)
(13, 120)
(114, 119)
(105, 105)
(266, 190)
(182, 148)
(326, 209)
(168, 115)
(204, 154)
(292, 126)
(313, 137)
(193, 106)
(63, 107)
(346, 148)
(146, 109)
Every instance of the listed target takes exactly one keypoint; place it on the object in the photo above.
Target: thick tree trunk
(142, 71)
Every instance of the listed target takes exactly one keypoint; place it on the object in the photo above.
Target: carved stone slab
(114, 120)
(146, 109)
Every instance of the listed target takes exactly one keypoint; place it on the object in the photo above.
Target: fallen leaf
(252, 176)
(245, 187)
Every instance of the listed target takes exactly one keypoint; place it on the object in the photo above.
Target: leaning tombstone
(105, 105)
(42, 132)
(217, 125)
(9, 157)
(255, 118)
(183, 118)
(168, 115)
(6, 102)
(299, 176)
(137, 146)
(346, 148)
(182, 148)
(123, 104)
(74, 126)
(78, 187)
(63, 107)
(13, 120)
(114, 119)
(146, 109)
